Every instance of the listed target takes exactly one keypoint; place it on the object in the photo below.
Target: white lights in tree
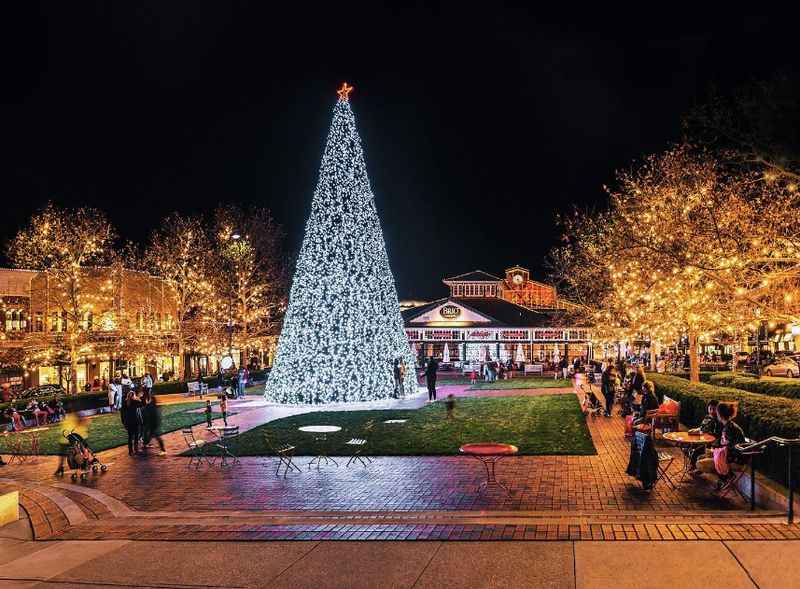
(342, 330)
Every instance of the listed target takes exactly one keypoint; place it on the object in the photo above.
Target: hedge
(773, 388)
(79, 402)
(704, 375)
(760, 416)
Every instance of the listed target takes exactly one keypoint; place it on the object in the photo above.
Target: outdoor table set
(687, 442)
(320, 436)
(24, 445)
(225, 435)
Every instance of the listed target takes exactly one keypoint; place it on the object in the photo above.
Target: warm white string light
(343, 329)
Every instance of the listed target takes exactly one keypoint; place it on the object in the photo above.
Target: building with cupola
(488, 317)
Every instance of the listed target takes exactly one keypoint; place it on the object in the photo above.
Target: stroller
(591, 404)
(80, 457)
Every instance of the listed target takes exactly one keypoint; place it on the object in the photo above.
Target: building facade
(489, 317)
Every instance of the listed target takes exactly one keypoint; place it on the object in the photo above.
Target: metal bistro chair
(227, 438)
(197, 447)
(358, 445)
(749, 453)
(665, 460)
(284, 452)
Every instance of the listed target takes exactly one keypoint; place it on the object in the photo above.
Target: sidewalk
(377, 565)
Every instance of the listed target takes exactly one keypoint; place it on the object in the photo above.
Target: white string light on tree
(343, 330)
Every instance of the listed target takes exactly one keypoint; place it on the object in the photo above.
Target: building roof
(474, 276)
(501, 313)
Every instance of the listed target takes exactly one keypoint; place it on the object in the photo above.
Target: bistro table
(489, 454)
(688, 442)
(320, 435)
(17, 443)
(390, 421)
(222, 442)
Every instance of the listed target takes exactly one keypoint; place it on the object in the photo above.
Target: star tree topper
(344, 92)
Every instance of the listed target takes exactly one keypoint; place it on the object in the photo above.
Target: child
(473, 377)
(208, 412)
(450, 404)
(223, 407)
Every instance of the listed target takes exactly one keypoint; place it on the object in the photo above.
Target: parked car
(785, 366)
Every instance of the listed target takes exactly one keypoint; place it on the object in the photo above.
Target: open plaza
(399, 297)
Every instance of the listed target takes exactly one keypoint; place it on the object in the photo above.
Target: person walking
(241, 383)
(147, 384)
(112, 396)
(430, 377)
(151, 418)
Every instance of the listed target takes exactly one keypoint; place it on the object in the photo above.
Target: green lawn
(550, 424)
(106, 431)
(522, 383)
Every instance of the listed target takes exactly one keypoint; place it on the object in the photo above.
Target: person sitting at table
(710, 425)
(649, 402)
(40, 413)
(724, 452)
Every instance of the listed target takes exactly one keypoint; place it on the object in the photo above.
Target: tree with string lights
(248, 292)
(70, 247)
(342, 331)
(687, 247)
(179, 252)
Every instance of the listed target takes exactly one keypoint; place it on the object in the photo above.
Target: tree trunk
(73, 367)
(694, 366)
(180, 373)
(653, 355)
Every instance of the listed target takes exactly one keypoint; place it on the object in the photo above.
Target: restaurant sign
(441, 334)
(548, 334)
(514, 334)
(480, 335)
(450, 311)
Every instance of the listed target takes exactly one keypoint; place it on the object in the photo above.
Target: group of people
(42, 413)
(141, 418)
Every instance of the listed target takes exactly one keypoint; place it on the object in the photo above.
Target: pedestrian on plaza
(223, 407)
(112, 397)
(74, 422)
(563, 365)
(450, 405)
(131, 416)
(209, 412)
(399, 377)
(147, 384)
(241, 382)
(152, 424)
(430, 377)
(607, 388)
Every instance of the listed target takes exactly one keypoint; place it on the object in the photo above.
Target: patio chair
(283, 451)
(358, 445)
(227, 439)
(198, 448)
(749, 456)
(665, 460)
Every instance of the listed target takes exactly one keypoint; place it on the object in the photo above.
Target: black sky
(478, 124)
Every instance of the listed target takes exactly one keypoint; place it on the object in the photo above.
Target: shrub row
(704, 375)
(790, 390)
(760, 416)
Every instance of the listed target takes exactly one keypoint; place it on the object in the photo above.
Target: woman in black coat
(131, 416)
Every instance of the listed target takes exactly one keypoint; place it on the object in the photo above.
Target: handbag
(721, 460)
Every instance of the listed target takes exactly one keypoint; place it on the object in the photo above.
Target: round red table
(489, 454)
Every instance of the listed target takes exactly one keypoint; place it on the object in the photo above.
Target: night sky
(478, 125)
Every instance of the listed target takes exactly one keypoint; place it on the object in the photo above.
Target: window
(38, 322)
(54, 321)
(63, 323)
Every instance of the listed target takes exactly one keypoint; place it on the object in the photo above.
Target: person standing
(607, 383)
(112, 396)
(147, 384)
(399, 377)
(241, 383)
(430, 377)
(130, 416)
(223, 407)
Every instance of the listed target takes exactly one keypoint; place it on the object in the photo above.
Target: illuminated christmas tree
(342, 331)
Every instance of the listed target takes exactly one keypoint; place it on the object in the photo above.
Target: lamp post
(235, 237)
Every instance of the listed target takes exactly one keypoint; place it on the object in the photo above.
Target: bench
(534, 368)
(196, 387)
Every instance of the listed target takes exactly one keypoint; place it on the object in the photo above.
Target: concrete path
(374, 565)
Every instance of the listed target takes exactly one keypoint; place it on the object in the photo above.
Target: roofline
(454, 278)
